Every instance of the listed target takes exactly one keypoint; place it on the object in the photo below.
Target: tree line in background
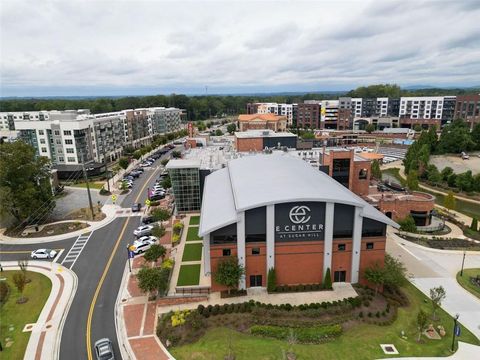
(208, 106)
(454, 138)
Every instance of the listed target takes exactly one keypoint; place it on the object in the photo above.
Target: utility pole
(463, 262)
(88, 188)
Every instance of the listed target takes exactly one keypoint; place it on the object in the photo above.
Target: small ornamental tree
(327, 281)
(272, 280)
(218, 132)
(450, 201)
(153, 280)
(394, 272)
(376, 172)
(437, 295)
(421, 322)
(408, 224)
(20, 280)
(137, 154)
(123, 162)
(370, 128)
(474, 225)
(229, 272)
(231, 128)
(154, 253)
(412, 180)
(161, 214)
(176, 154)
(158, 231)
(164, 162)
(166, 183)
(376, 275)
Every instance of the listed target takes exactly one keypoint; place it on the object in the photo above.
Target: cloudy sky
(147, 47)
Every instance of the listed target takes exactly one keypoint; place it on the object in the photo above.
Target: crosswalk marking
(76, 250)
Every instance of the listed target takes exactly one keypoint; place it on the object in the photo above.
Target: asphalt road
(22, 252)
(91, 266)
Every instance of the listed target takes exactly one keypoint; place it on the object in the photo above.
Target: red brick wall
(360, 187)
(401, 208)
(255, 144)
(256, 264)
(299, 262)
(342, 260)
(216, 255)
(370, 257)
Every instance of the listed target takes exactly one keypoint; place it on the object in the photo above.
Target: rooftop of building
(260, 117)
(254, 181)
(374, 196)
(261, 133)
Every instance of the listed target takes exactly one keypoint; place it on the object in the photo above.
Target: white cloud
(179, 46)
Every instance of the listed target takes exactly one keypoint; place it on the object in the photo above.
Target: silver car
(143, 230)
(104, 349)
(43, 254)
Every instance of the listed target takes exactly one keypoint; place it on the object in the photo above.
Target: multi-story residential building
(308, 114)
(448, 112)
(468, 108)
(73, 137)
(329, 114)
(425, 111)
(283, 109)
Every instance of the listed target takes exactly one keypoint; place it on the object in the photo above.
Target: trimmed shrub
(200, 309)
(327, 282)
(3, 291)
(474, 225)
(271, 280)
(315, 334)
(360, 315)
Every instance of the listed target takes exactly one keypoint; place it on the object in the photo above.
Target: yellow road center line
(105, 271)
(21, 251)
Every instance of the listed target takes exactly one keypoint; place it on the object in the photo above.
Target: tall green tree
(123, 162)
(455, 138)
(376, 172)
(412, 180)
(450, 201)
(375, 275)
(25, 190)
(229, 272)
(155, 252)
(231, 128)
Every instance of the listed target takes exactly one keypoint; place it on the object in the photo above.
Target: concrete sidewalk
(465, 351)
(46, 333)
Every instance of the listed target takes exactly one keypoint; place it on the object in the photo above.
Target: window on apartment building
(255, 251)
(57, 132)
(69, 141)
(370, 246)
(67, 132)
(70, 151)
(341, 247)
(42, 141)
(226, 252)
(70, 159)
(41, 132)
(44, 149)
(60, 151)
(58, 141)
(60, 158)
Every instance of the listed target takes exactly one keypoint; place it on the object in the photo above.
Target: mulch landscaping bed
(367, 307)
(443, 244)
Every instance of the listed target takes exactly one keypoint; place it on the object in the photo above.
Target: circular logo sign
(299, 214)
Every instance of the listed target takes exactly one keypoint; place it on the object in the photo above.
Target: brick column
(206, 254)
(328, 240)
(241, 246)
(356, 244)
(270, 237)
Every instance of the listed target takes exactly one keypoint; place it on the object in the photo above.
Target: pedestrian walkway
(465, 352)
(44, 342)
(76, 250)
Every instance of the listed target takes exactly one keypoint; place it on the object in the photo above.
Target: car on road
(156, 197)
(143, 230)
(140, 169)
(464, 156)
(148, 220)
(136, 207)
(104, 349)
(43, 254)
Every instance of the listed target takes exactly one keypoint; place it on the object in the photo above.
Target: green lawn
(358, 342)
(464, 281)
(194, 220)
(92, 185)
(192, 234)
(17, 316)
(189, 275)
(192, 252)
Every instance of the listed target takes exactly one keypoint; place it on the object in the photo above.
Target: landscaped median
(15, 316)
(192, 252)
(470, 281)
(189, 275)
(349, 329)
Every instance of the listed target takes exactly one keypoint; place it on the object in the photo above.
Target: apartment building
(309, 114)
(467, 107)
(329, 114)
(425, 111)
(72, 137)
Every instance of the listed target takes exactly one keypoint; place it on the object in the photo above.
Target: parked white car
(143, 244)
(143, 230)
(43, 254)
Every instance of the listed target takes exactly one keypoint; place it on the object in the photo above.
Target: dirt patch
(55, 229)
(85, 214)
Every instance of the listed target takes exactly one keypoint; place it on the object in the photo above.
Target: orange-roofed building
(262, 121)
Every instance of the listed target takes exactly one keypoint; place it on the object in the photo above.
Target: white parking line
(76, 250)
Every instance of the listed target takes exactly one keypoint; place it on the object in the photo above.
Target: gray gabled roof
(261, 180)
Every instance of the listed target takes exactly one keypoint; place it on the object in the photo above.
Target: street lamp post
(128, 258)
(463, 262)
(454, 330)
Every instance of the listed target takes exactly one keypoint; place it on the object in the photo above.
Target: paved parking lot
(457, 163)
(75, 198)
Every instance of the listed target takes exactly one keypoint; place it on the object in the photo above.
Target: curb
(58, 339)
(125, 349)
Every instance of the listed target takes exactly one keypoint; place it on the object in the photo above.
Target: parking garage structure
(276, 211)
